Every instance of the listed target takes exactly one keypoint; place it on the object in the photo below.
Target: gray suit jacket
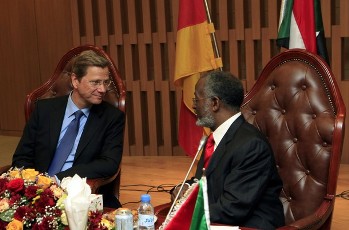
(242, 179)
(98, 153)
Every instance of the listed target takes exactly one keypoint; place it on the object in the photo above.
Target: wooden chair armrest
(315, 220)
(96, 183)
(4, 168)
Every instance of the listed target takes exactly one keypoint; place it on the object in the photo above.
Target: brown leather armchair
(59, 84)
(297, 104)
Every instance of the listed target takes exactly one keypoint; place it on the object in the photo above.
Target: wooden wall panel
(152, 120)
(131, 19)
(146, 21)
(326, 16)
(103, 22)
(161, 20)
(117, 16)
(54, 30)
(174, 16)
(249, 59)
(157, 60)
(19, 60)
(142, 51)
(336, 53)
(171, 46)
(74, 14)
(34, 35)
(140, 36)
(128, 59)
(265, 46)
(239, 20)
(136, 103)
(87, 17)
(256, 19)
(344, 18)
(223, 20)
(233, 51)
(166, 117)
(273, 18)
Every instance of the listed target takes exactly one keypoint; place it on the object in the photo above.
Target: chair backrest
(59, 84)
(297, 104)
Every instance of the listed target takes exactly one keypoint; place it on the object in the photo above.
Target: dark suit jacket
(242, 180)
(100, 148)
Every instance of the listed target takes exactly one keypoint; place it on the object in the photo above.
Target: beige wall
(140, 37)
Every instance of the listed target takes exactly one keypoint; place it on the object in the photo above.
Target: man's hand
(175, 191)
(53, 178)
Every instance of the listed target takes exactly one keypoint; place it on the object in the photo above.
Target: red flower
(3, 224)
(45, 223)
(94, 220)
(3, 184)
(16, 185)
(44, 201)
(48, 192)
(30, 191)
(21, 212)
(15, 198)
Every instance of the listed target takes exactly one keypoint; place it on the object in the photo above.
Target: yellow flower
(107, 223)
(57, 191)
(15, 174)
(4, 205)
(29, 174)
(35, 199)
(64, 218)
(44, 181)
(15, 225)
(60, 201)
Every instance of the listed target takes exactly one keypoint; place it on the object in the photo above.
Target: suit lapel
(92, 124)
(56, 120)
(221, 148)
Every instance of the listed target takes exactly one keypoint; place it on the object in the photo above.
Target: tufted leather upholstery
(297, 104)
(59, 84)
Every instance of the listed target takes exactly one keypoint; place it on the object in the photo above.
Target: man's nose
(102, 88)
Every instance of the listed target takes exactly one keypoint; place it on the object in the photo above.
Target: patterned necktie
(66, 145)
(208, 150)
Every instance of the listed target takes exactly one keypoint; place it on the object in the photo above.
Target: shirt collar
(72, 108)
(219, 133)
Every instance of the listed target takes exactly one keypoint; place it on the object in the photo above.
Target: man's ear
(74, 80)
(217, 103)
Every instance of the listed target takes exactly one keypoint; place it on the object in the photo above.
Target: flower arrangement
(32, 200)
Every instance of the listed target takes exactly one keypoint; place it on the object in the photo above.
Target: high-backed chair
(59, 84)
(297, 104)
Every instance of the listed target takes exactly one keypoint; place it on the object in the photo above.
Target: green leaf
(7, 215)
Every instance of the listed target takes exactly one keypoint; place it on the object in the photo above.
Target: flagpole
(204, 193)
(213, 34)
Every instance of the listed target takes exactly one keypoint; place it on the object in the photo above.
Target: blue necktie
(66, 145)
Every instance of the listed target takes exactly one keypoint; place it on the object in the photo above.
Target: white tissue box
(96, 203)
